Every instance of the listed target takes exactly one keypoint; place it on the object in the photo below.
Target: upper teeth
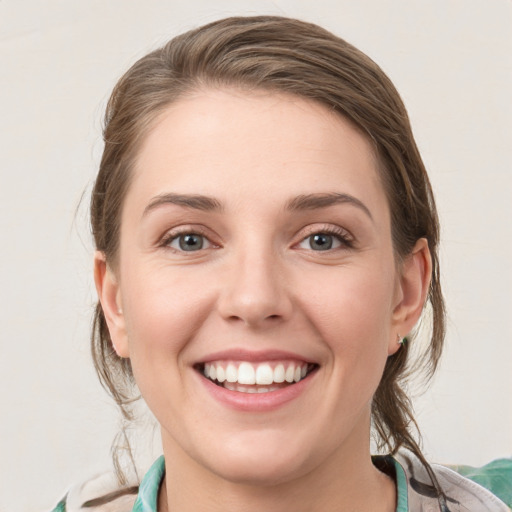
(261, 373)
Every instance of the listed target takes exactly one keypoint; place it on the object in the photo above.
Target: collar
(147, 498)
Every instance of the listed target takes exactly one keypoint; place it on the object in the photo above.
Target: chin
(260, 473)
(256, 465)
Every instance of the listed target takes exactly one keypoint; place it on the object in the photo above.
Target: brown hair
(294, 57)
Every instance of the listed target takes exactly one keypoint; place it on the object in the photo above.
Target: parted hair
(288, 56)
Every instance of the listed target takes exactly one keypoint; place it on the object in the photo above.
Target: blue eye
(322, 242)
(189, 242)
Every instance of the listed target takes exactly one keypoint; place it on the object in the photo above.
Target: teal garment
(61, 506)
(495, 476)
(147, 498)
(413, 492)
(402, 504)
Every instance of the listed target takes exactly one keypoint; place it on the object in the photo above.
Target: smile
(263, 377)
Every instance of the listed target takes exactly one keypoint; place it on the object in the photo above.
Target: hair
(288, 56)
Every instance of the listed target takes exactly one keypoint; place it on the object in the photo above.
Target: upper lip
(241, 354)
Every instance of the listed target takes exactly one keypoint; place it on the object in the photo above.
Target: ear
(109, 295)
(412, 289)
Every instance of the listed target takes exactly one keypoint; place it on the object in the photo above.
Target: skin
(258, 284)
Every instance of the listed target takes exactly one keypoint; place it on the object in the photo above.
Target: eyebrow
(194, 201)
(301, 202)
(317, 201)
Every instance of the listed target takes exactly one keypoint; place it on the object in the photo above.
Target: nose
(255, 291)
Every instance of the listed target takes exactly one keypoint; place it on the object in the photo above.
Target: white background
(451, 61)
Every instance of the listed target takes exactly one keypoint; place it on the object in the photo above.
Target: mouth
(261, 377)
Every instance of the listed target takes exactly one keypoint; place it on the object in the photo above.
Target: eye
(320, 242)
(188, 242)
(326, 241)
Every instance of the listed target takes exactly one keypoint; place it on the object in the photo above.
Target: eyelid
(188, 229)
(343, 235)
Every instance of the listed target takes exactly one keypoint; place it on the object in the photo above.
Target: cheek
(352, 312)
(163, 309)
(354, 302)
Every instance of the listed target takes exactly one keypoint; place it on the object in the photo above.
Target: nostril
(235, 318)
(254, 320)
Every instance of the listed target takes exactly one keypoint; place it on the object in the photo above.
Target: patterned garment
(414, 493)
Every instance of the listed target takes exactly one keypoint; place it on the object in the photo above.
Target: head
(291, 59)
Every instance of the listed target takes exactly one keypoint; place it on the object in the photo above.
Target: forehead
(230, 143)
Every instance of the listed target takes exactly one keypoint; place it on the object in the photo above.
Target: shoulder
(101, 493)
(495, 476)
(486, 489)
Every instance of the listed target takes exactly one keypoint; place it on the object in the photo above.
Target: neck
(354, 485)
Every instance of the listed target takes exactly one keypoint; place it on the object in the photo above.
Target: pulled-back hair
(286, 56)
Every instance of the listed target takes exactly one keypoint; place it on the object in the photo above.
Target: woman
(266, 244)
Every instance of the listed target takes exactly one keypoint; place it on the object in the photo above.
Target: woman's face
(256, 247)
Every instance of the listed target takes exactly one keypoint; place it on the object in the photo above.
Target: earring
(400, 340)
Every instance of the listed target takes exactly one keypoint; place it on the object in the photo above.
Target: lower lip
(256, 402)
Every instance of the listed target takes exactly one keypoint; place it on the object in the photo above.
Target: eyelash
(171, 236)
(341, 235)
